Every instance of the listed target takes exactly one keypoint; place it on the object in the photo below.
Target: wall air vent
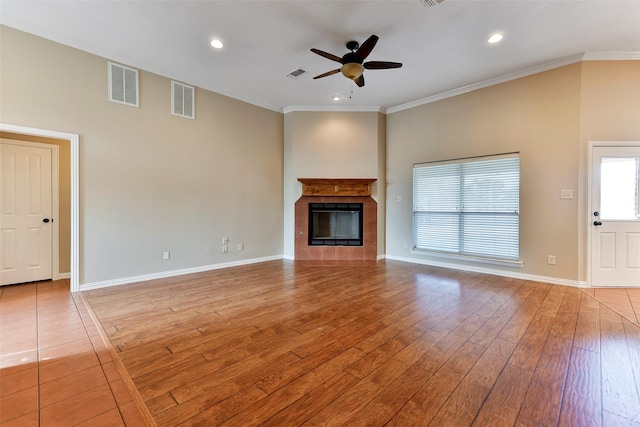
(123, 84)
(182, 100)
(295, 73)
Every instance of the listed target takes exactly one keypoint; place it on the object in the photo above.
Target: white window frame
(442, 196)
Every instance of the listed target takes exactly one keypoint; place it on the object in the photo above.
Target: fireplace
(336, 220)
(335, 224)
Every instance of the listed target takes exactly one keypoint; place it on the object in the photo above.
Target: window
(468, 207)
(620, 188)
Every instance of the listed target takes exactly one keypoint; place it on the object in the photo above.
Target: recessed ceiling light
(217, 44)
(336, 97)
(495, 38)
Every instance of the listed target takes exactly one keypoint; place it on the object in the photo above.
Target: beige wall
(64, 195)
(332, 145)
(549, 118)
(610, 111)
(149, 181)
(537, 116)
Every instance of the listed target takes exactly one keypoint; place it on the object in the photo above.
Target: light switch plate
(566, 194)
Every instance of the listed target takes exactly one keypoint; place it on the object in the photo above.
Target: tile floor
(55, 369)
(625, 301)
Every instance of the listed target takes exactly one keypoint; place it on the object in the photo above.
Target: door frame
(592, 145)
(74, 142)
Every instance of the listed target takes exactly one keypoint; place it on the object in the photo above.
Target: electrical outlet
(240, 246)
(406, 245)
(225, 249)
(551, 259)
(166, 255)
(225, 240)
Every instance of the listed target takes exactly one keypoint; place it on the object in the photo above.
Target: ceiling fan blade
(381, 65)
(328, 73)
(360, 81)
(327, 55)
(366, 47)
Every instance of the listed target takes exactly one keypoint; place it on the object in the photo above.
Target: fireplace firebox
(335, 224)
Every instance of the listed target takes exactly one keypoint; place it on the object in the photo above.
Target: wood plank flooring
(371, 344)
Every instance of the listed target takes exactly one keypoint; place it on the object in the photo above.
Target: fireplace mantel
(336, 186)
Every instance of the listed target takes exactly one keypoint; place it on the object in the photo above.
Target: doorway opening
(74, 226)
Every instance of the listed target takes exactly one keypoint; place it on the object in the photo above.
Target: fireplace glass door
(335, 224)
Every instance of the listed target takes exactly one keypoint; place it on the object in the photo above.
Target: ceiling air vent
(182, 100)
(123, 84)
(295, 73)
(431, 3)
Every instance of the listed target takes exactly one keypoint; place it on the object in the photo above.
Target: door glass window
(619, 188)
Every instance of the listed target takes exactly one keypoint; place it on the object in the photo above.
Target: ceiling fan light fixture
(352, 70)
(352, 62)
(217, 44)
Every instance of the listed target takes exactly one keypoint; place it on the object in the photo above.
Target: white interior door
(25, 209)
(615, 216)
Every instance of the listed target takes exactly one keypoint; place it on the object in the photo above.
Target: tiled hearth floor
(625, 301)
(55, 369)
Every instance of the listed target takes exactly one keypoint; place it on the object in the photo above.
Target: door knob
(596, 213)
(597, 223)
(45, 220)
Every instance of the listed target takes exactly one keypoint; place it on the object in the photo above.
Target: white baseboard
(61, 276)
(173, 273)
(474, 269)
(495, 272)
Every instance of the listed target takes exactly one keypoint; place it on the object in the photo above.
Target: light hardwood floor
(385, 343)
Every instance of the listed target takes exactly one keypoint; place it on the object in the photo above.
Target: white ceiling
(443, 48)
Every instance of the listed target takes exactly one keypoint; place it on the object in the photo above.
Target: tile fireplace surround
(336, 191)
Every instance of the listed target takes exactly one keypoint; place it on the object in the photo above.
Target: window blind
(468, 207)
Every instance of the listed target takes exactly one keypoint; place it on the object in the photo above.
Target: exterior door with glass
(615, 216)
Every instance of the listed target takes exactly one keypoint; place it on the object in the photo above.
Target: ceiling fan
(352, 62)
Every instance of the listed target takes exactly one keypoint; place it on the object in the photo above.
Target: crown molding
(546, 66)
(341, 109)
(490, 82)
(132, 62)
(612, 56)
(246, 99)
(586, 56)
